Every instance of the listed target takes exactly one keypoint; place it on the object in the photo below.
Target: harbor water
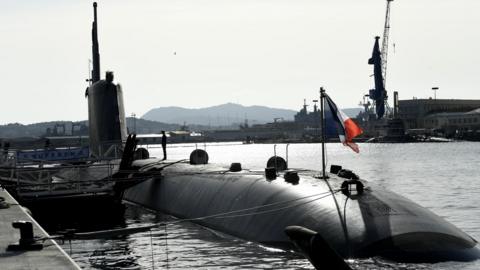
(443, 177)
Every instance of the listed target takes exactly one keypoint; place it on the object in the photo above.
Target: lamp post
(134, 123)
(435, 89)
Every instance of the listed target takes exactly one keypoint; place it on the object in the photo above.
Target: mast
(95, 51)
(322, 124)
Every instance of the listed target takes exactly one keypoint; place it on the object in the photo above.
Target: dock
(50, 256)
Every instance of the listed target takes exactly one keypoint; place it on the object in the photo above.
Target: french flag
(347, 129)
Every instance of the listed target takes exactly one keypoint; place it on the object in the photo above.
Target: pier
(47, 256)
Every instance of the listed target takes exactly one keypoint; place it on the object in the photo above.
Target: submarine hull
(375, 223)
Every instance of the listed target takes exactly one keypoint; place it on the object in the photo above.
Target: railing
(61, 155)
(48, 178)
(109, 150)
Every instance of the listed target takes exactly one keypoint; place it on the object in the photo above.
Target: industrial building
(454, 124)
(449, 117)
(414, 112)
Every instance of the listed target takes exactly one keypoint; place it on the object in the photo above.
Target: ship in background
(305, 128)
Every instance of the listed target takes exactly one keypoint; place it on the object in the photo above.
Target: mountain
(221, 115)
(143, 126)
(225, 115)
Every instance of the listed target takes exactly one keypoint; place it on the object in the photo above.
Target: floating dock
(50, 256)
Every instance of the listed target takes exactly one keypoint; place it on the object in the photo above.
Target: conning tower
(106, 113)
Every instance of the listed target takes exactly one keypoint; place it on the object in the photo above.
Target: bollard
(27, 240)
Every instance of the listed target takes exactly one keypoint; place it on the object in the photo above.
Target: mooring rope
(344, 227)
(219, 215)
(273, 210)
(166, 245)
(228, 214)
(151, 247)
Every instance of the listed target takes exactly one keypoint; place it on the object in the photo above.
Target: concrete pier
(51, 256)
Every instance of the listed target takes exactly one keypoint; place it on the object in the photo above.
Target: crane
(379, 62)
(386, 31)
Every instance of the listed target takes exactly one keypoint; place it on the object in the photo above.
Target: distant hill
(221, 115)
(170, 118)
(225, 115)
(147, 126)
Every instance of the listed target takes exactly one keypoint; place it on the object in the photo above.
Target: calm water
(444, 178)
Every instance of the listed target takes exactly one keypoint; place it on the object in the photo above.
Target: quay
(50, 256)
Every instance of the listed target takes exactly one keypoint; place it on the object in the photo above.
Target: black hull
(377, 223)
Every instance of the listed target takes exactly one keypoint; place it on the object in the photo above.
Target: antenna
(435, 89)
(315, 105)
(89, 79)
(95, 53)
(305, 105)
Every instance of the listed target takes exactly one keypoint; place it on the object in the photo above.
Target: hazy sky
(198, 53)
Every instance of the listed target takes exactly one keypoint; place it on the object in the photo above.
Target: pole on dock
(435, 89)
(322, 126)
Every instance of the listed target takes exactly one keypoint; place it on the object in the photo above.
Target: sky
(199, 53)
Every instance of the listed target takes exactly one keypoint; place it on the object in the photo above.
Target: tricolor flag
(347, 129)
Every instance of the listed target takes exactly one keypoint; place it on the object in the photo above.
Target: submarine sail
(106, 113)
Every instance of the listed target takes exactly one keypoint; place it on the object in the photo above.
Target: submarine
(250, 206)
(276, 206)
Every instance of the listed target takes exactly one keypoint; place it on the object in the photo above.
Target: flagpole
(322, 124)
(323, 95)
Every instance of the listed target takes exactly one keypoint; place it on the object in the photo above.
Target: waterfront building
(454, 124)
(414, 112)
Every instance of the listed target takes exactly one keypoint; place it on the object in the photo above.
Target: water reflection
(176, 246)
